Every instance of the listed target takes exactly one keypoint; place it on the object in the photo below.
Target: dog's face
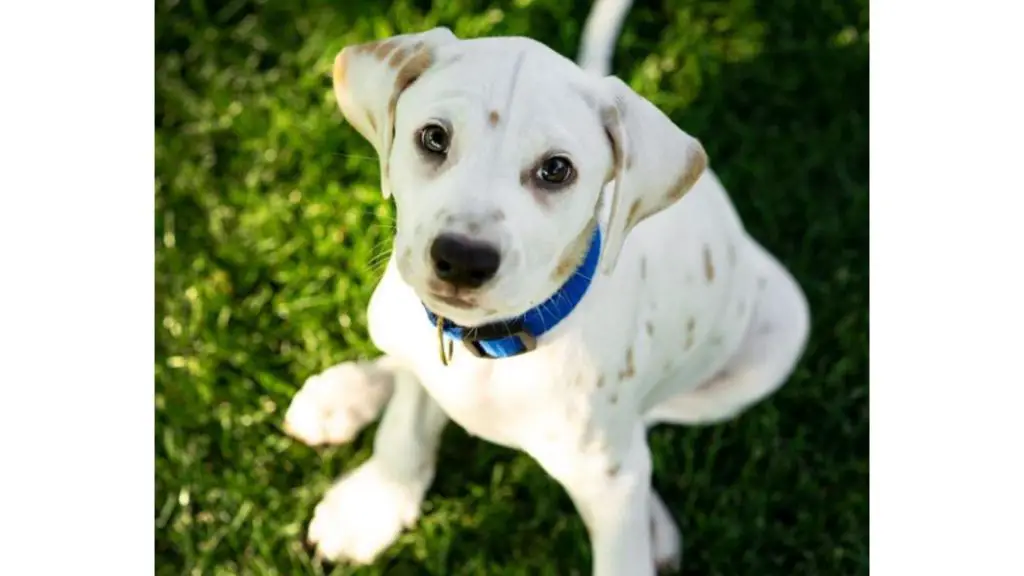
(498, 151)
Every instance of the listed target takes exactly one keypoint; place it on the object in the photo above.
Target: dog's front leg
(610, 484)
(366, 510)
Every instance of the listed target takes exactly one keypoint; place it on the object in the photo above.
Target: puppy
(566, 273)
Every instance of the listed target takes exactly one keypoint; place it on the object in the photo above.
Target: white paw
(666, 542)
(363, 514)
(334, 405)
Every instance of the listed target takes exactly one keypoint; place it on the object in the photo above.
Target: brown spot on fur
(574, 253)
(613, 470)
(600, 381)
(691, 327)
(650, 328)
(413, 68)
(709, 266)
(493, 118)
(382, 50)
(630, 368)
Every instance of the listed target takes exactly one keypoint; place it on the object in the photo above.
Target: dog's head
(498, 152)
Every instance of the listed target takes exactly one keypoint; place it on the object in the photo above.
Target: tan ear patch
(384, 48)
(367, 47)
(413, 68)
(633, 218)
(338, 72)
(574, 253)
(695, 168)
(398, 56)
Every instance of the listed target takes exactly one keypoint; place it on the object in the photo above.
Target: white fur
(688, 321)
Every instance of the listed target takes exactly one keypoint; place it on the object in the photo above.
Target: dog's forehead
(507, 71)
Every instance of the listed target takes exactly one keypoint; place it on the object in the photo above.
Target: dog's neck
(518, 335)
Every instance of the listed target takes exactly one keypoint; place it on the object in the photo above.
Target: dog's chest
(518, 401)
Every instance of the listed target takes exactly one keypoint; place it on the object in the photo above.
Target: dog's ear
(369, 78)
(655, 163)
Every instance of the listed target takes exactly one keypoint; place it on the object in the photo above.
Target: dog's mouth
(454, 301)
(449, 295)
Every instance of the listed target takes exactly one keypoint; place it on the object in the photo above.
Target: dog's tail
(600, 33)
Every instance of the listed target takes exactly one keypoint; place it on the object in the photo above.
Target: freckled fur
(709, 264)
(591, 439)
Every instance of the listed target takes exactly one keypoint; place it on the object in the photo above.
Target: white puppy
(566, 273)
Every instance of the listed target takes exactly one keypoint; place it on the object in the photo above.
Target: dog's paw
(334, 405)
(363, 514)
(666, 542)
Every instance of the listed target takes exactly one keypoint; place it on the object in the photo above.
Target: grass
(268, 215)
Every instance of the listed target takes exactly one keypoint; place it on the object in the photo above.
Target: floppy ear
(369, 78)
(655, 163)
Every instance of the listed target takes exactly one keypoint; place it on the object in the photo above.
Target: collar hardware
(475, 346)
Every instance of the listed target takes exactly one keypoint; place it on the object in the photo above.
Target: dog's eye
(434, 139)
(555, 170)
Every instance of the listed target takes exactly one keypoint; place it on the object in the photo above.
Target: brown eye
(434, 139)
(556, 170)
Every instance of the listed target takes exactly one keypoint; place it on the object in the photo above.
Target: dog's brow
(514, 80)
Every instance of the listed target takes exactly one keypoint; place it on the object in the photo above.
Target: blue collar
(518, 335)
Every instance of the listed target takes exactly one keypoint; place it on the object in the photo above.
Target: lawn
(268, 218)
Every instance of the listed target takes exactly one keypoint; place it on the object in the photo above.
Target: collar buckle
(471, 341)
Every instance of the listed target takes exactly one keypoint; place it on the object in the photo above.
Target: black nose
(464, 262)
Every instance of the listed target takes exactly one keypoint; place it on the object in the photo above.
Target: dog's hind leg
(774, 342)
(666, 541)
(334, 405)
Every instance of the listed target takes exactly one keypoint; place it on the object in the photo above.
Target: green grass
(268, 214)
